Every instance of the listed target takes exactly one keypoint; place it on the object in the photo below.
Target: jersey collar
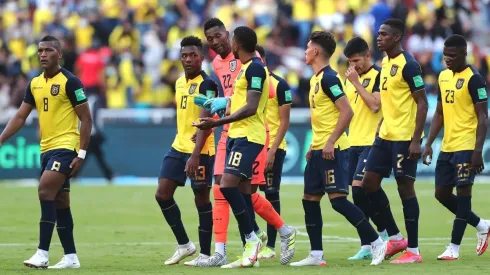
(462, 70)
(55, 74)
(323, 69)
(368, 70)
(201, 74)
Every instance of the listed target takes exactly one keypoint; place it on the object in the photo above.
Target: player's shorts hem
(406, 177)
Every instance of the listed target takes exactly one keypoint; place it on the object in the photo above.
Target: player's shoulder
(330, 75)
(409, 59)
(180, 80)
(475, 78)
(445, 75)
(276, 77)
(206, 79)
(474, 71)
(256, 63)
(68, 75)
(376, 68)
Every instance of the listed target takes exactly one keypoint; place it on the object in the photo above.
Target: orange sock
(265, 210)
(221, 215)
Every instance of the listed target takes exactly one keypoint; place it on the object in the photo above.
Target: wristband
(82, 154)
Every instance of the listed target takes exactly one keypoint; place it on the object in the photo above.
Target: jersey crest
(459, 83)
(394, 69)
(192, 89)
(55, 89)
(233, 65)
(365, 82)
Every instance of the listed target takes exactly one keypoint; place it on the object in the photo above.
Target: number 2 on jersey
(226, 81)
(383, 87)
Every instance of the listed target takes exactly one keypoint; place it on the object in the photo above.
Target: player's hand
(415, 150)
(75, 166)
(216, 104)
(352, 75)
(192, 166)
(308, 154)
(194, 137)
(205, 123)
(328, 151)
(477, 164)
(427, 154)
(271, 156)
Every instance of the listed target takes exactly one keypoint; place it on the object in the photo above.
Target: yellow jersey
(400, 77)
(325, 89)
(458, 93)
(253, 76)
(362, 128)
(55, 99)
(282, 96)
(188, 112)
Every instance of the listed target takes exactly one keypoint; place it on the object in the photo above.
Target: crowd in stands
(127, 52)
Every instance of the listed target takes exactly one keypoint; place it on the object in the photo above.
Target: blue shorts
(59, 160)
(273, 177)
(240, 156)
(454, 168)
(173, 167)
(357, 162)
(386, 155)
(326, 176)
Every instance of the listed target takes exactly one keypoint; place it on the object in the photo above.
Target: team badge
(459, 83)
(233, 64)
(192, 89)
(239, 74)
(55, 89)
(317, 87)
(394, 69)
(365, 82)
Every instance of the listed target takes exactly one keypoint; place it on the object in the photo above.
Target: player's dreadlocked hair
(396, 24)
(213, 22)
(356, 45)
(260, 50)
(456, 41)
(246, 38)
(191, 41)
(49, 38)
(325, 40)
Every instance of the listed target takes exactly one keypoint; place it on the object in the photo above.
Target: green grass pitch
(120, 230)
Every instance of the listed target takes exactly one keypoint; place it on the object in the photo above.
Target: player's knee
(45, 194)
(62, 200)
(442, 194)
(464, 190)
(161, 195)
(406, 189)
(371, 182)
(312, 197)
(338, 202)
(272, 196)
(201, 197)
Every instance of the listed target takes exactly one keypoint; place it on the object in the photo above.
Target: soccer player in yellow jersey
(186, 159)
(60, 101)
(278, 111)
(462, 108)
(246, 135)
(398, 146)
(362, 90)
(327, 159)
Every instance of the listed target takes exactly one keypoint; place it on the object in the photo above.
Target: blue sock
(411, 213)
(314, 223)
(380, 223)
(271, 230)
(239, 208)
(381, 205)
(460, 222)
(360, 198)
(172, 215)
(46, 225)
(64, 226)
(251, 211)
(355, 216)
(452, 205)
(205, 227)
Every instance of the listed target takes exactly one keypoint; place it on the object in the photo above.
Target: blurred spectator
(128, 51)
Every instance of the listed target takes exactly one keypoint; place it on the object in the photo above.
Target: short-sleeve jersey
(282, 96)
(362, 128)
(55, 99)
(253, 76)
(400, 77)
(458, 93)
(325, 89)
(188, 112)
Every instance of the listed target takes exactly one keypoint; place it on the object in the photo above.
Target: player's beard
(235, 54)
